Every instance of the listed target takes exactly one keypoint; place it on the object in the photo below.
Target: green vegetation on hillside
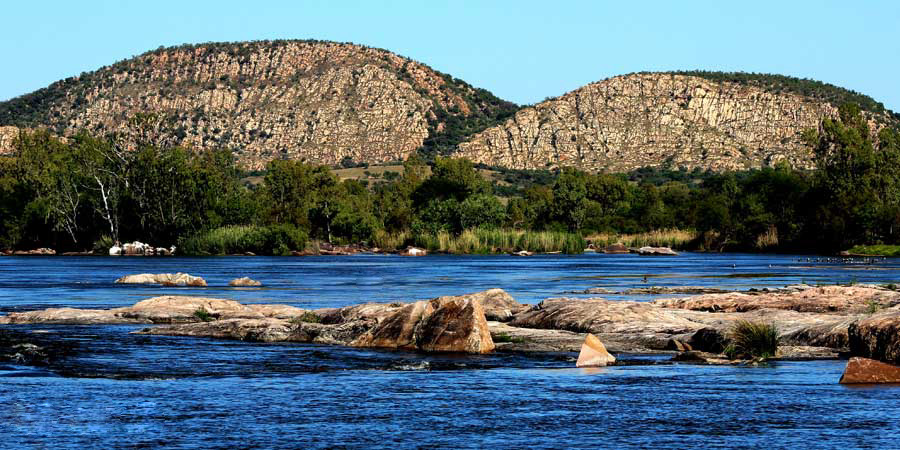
(87, 192)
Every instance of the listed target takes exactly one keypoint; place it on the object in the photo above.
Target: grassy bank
(238, 239)
(677, 239)
(485, 241)
(881, 250)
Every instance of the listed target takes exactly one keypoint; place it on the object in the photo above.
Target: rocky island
(812, 322)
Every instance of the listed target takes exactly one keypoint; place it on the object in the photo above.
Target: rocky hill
(319, 101)
(693, 119)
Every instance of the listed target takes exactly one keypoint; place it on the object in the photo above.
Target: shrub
(752, 340)
(102, 245)
(204, 315)
(307, 317)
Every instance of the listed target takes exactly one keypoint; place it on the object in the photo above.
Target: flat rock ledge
(812, 323)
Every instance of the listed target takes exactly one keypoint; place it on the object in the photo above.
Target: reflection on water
(119, 389)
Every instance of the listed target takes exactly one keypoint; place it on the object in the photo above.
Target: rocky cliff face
(633, 121)
(318, 101)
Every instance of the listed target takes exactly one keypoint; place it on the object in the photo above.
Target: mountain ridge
(659, 119)
(315, 100)
(328, 102)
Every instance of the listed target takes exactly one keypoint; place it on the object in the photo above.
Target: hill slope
(660, 119)
(320, 101)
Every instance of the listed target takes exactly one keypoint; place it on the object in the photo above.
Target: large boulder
(445, 324)
(866, 371)
(877, 336)
(165, 279)
(498, 305)
(593, 353)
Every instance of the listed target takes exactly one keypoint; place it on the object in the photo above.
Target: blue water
(124, 390)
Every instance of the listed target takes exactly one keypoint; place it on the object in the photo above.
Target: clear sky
(522, 50)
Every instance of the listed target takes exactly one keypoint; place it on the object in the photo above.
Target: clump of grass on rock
(204, 315)
(307, 317)
(752, 340)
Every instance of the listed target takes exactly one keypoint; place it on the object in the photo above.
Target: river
(122, 390)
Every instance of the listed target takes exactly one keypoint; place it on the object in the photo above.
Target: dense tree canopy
(75, 193)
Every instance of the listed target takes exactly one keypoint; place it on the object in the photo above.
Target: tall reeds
(237, 239)
(484, 241)
(674, 238)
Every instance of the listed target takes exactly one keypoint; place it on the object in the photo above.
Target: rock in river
(593, 353)
(165, 309)
(864, 371)
(656, 251)
(165, 279)
(244, 282)
(444, 324)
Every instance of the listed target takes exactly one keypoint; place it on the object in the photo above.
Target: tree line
(87, 192)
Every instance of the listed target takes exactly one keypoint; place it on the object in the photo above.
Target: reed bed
(238, 239)
(484, 241)
(674, 238)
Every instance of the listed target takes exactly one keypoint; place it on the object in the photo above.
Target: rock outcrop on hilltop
(639, 120)
(313, 100)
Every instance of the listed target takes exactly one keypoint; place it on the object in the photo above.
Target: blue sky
(522, 51)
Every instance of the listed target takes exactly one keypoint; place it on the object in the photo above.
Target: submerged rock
(165, 279)
(444, 324)
(865, 371)
(593, 353)
(244, 282)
